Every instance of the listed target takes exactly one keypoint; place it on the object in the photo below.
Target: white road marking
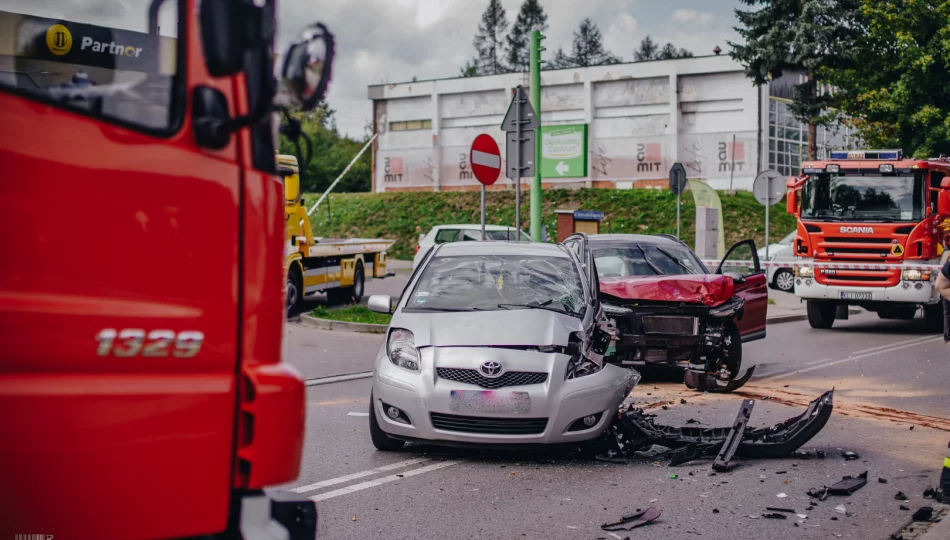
(383, 480)
(889, 345)
(867, 353)
(486, 160)
(361, 474)
(338, 378)
(357, 414)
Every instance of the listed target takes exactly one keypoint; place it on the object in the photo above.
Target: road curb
(327, 324)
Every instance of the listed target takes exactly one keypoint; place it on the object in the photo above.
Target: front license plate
(855, 295)
(489, 401)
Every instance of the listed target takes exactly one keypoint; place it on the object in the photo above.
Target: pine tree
(670, 52)
(808, 36)
(489, 41)
(588, 47)
(560, 60)
(647, 50)
(531, 16)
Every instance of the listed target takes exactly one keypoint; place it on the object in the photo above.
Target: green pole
(535, 71)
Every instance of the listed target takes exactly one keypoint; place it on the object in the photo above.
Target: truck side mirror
(221, 36)
(791, 201)
(307, 66)
(943, 202)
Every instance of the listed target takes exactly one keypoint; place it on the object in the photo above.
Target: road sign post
(677, 185)
(768, 189)
(534, 68)
(485, 159)
(518, 125)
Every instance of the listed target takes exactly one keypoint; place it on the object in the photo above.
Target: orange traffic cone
(943, 491)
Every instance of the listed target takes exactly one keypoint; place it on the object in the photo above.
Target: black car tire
(821, 315)
(381, 440)
(293, 291)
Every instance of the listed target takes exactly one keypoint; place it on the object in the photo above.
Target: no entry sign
(485, 159)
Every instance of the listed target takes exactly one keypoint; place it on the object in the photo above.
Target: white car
(778, 276)
(461, 233)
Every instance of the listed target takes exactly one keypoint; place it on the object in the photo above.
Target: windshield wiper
(674, 259)
(647, 260)
(454, 310)
(543, 306)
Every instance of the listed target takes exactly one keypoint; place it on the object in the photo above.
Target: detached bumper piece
(278, 515)
(703, 381)
(633, 431)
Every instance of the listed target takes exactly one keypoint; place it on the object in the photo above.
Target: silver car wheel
(785, 281)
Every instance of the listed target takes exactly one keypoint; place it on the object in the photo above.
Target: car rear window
(646, 260)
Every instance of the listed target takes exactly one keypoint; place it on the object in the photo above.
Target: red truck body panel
(108, 228)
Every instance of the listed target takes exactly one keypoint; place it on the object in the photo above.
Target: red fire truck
(142, 388)
(872, 229)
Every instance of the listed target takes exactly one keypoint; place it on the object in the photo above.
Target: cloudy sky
(396, 40)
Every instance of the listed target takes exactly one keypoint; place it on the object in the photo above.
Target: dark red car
(670, 309)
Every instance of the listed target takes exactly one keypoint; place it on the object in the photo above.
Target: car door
(742, 263)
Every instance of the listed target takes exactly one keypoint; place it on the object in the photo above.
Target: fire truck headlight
(916, 275)
(832, 168)
(804, 272)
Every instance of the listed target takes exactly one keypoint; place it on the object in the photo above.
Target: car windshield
(646, 260)
(499, 282)
(873, 197)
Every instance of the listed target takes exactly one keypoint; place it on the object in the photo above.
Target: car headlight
(610, 309)
(727, 309)
(401, 349)
(804, 272)
(916, 275)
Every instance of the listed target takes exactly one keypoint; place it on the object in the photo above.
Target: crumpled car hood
(488, 328)
(707, 289)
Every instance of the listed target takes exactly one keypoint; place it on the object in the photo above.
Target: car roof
(660, 240)
(538, 249)
(474, 226)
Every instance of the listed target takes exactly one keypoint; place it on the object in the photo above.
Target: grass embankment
(404, 216)
(355, 314)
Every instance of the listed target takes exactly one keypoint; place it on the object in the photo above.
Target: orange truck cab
(142, 388)
(872, 229)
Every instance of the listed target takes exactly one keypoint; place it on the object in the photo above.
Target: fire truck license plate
(855, 295)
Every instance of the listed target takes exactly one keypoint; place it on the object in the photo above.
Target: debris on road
(924, 513)
(903, 507)
(820, 494)
(633, 521)
(777, 509)
(882, 480)
(781, 495)
(820, 454)
(711, 382)
(841, 509)
(930, 493)
(850, 456)
(849, 484)
(900, 496)
(775, 515)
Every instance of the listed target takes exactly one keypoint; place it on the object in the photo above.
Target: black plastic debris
(777, 509)
(628, 523)
(715, 510)
(834, 518)
(690, 452)
(734, 437)
(781, 472)
(881, 480)
(924, 513)
(665, 408)
(691, 421)
(820, 454)
(775, 515)
(900, 496)
(709, 382)
(682, 402)
(902, 507)
(930, 493)
(850, 456)
(802, 454)
(849, 484)
(820, 494)
(911, 428)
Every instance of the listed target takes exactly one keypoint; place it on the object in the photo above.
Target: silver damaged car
(497, 343)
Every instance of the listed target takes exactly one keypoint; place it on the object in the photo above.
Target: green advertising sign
(564, 151)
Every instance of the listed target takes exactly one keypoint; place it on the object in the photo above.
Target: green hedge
(404, 216)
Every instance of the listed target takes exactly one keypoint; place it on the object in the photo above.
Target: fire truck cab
(873, 227)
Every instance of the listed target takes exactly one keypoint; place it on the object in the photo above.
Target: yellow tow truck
(339, 267)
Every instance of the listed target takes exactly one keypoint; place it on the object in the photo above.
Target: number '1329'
(156, 343)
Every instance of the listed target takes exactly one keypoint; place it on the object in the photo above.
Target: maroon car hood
(707, 289)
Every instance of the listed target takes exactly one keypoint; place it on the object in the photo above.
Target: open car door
(742, 264)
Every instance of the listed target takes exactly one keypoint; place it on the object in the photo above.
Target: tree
(588, 47)
(531, 17)
(812, 37)
(561, 60)
(647, 50)
(670, 52)
(897, 91)
(490, 40)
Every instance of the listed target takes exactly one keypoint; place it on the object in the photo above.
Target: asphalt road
(889, 376)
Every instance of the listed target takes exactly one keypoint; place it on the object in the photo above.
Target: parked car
(670, 309)
(461, 233)
(499, 343)
(780, 277)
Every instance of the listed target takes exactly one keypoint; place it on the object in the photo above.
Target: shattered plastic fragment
(777, 509)
(775, 515)
(902, 507)
(820, 494)
(850, 456)
(820, 454)
(633, 521)
(841, 509)
(781, 495)
(849, 484)
(924, 513)
(882, 480)
(715, 510)
(930, 493)
(900, 496)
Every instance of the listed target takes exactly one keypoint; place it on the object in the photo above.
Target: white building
(641, 118)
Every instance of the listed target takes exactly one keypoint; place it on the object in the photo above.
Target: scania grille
(659, 324)
(488, 426)
(509, 378)
(868, 277)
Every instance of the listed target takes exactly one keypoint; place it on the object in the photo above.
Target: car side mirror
(737, 278)
(380, 303)
(943, 202)
(307, 66)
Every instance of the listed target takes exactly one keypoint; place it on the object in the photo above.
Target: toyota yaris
(499, 343)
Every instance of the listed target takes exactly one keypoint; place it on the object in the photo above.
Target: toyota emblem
(490, 369)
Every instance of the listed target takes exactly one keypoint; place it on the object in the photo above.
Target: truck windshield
(105, 59)
(864, 198)
(499, 282)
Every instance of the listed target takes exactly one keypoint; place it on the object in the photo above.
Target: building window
(788, 139)
(410, 125)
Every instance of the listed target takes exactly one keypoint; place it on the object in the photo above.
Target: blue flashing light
(857, 155)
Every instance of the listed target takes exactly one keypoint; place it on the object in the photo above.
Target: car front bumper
(422, 394)
(926, 293)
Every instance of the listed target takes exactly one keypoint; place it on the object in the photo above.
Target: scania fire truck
(872, 231)
(143, 392)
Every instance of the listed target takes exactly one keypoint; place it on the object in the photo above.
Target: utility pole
(535, 73)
